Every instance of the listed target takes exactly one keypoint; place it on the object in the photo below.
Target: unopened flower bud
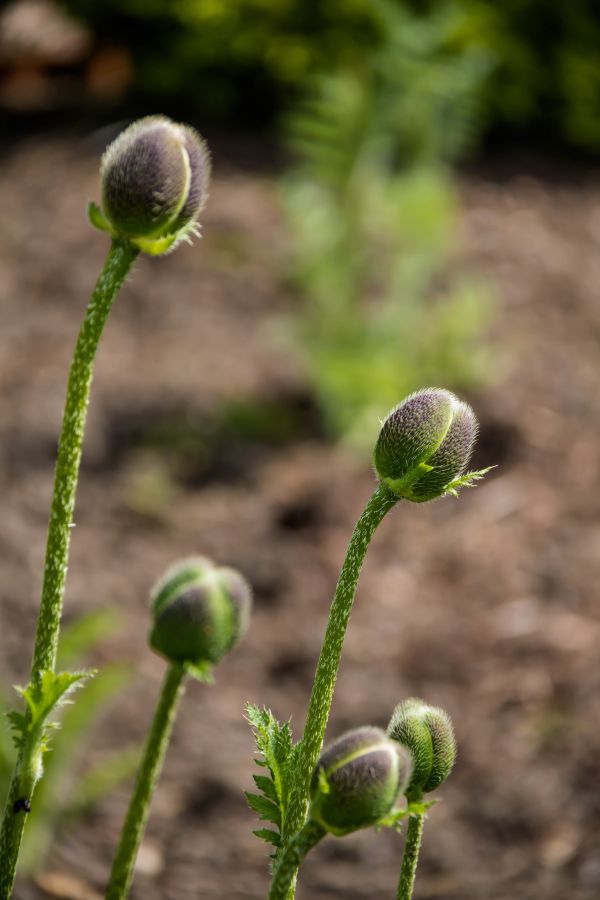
(425, 445)
(426, 733)
(357, 780)
(154, 183)
(200, 611)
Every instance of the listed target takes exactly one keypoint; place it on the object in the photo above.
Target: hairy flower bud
(425, 445)
(200, 611)
(426, 733)
(357, 780)
(154, 183)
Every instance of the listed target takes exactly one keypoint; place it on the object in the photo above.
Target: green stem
(13, 822)
(410, 858)
(147, 778)
(291, 859)
(27, 768)
(379, 504)
(116, 267)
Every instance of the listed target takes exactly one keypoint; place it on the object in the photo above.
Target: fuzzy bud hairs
(200, 612)
(427, 734)
(154, 179)
(425, 445)
(357, 780)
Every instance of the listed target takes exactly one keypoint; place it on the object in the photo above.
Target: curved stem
(149, 772)
(412, 845)
(116, 267)
(379, 504)
(291, 859)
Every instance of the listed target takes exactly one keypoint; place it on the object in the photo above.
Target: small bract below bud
(154, 184)
(425, 445)
(200, 611)
(426, 733)
(357, 780)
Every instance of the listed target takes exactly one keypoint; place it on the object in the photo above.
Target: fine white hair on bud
(357, 780)
(200, 612)
(425, 445)
(427, 734)
(154, 178)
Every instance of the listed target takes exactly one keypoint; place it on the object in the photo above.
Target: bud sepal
(397, 817)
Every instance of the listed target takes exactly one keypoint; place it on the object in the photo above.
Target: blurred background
(404, 194)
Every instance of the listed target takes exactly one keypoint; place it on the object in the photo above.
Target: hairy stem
(291, 859)
(28, 766)
(412, 845)
(116, 267)
(379, 504)
(147, 778)
(13, 822)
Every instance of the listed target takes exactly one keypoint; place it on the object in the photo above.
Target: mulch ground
(486, 606)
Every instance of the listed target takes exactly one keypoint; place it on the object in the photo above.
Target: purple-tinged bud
(200, 611)
(357, 780)
(154, 183)
(425, 445)
(427, 734)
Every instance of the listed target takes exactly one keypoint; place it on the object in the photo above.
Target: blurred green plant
(62, 797)
(372, 213)
(244, 58)
(547, 77)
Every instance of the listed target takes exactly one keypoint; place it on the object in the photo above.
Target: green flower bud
(426, 733)
(357, 780)
(200, 611)
(154, 183)
(425, 445)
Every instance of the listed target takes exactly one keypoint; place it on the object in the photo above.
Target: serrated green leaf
(18, 724)
(271, 837)
(469, 479)
(42, 698)
(396, 817)
(274, 743)
(266, 785)
(266, 809)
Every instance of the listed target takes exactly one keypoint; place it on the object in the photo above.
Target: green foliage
(41, 700)
(59, 797)
(372, 215)
(547, 77)
(245, 57)
(278, 755)
(234, 58)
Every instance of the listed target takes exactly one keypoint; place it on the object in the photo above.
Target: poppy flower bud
(200, 611)
(357, 780)
(426, 733)
(154, 183)
(425, 445)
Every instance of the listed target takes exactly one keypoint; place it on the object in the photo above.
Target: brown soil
(484, 606)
